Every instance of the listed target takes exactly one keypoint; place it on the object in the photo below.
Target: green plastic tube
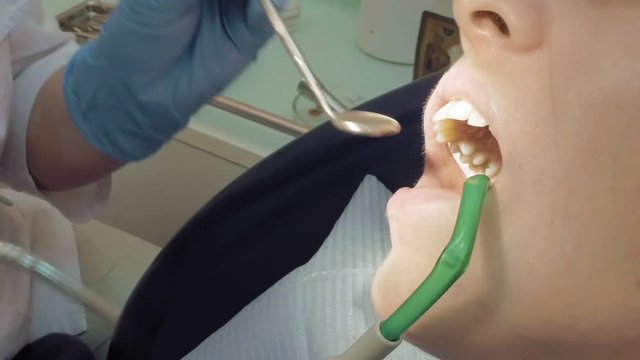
(453, 261)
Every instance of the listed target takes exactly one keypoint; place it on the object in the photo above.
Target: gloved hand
(155, 63)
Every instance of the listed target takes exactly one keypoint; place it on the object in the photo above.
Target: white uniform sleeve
(38, 48)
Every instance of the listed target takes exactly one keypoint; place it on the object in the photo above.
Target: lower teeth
(467, 143)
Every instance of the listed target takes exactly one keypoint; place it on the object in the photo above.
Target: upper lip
(460, 82)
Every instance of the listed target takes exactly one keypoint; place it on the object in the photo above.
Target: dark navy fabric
(56, 347)
(269, 221)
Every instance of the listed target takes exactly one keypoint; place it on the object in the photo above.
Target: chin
(384, 303)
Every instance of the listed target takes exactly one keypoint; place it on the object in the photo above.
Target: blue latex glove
(155, 64)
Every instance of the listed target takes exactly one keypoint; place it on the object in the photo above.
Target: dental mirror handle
(297, 57)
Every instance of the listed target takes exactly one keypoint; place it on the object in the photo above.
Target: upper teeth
(461, 110)
(476, 119)
(469, 157)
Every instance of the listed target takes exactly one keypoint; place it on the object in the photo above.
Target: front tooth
(476, 119)
(465, 158)
(467, 148)
(492, 169)
(442, 113)
(460, 110)
(478, 159)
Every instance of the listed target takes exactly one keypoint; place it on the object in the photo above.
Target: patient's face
(556, 269)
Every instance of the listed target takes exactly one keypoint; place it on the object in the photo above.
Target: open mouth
(468, 135)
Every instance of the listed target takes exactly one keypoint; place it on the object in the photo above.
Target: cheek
(568, 197)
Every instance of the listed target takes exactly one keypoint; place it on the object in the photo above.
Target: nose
(514, 25)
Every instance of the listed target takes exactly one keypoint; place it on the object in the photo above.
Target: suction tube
(453, 261)
(381, 339)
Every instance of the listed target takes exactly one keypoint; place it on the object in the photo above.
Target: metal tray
(85, 19)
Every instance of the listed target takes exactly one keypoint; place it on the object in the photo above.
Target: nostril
(482, 17)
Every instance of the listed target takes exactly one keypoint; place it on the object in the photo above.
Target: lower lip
(411, 198)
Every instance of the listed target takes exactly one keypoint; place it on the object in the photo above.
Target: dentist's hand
(155, 64)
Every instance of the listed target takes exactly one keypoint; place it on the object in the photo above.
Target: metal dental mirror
(355, 122)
